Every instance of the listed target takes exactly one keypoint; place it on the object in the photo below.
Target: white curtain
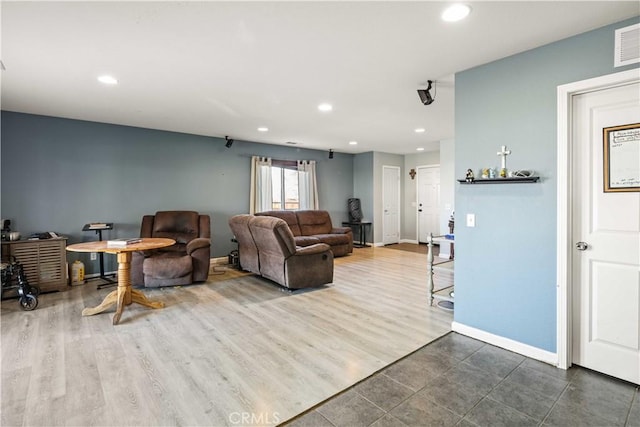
(260, 197)
(307, 188)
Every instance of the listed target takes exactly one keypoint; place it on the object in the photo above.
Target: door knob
(581, 246)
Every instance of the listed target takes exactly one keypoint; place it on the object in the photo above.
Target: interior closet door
(606, 235)
(428, 202)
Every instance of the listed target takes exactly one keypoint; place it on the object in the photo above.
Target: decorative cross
(504, 153)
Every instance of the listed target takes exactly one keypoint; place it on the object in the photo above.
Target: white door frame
(564, 213)
(397, 169)
(417, 187)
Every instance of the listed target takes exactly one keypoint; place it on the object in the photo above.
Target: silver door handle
(582, 246)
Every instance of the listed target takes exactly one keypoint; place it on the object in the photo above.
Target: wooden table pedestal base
(124, 295)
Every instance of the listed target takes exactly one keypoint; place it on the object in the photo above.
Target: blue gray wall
(58, 174)
(363, 185)
(506, 265)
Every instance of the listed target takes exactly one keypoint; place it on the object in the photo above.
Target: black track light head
(229, 142)
(331, 154)
(425, 96)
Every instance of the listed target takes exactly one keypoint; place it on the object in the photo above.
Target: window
(284, 189)
(282, 185)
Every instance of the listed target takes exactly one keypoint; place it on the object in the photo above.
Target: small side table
(362, 231)
(98, 227)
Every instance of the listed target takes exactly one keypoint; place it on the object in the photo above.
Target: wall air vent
(627, 46)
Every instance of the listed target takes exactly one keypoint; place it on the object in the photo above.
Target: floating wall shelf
(512, 180)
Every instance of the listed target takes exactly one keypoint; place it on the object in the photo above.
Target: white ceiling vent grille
(627, 48)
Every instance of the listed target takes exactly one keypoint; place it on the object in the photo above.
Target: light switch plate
(471, 220)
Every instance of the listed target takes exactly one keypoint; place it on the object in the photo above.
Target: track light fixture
(425, 96)
(331, 154)
(229, 142)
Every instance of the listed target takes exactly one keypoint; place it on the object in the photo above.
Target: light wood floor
(234, 352)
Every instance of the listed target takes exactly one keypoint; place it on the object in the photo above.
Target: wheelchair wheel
(28, 302)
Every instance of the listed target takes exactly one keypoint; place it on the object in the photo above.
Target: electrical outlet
(94, 256)
(471, 220)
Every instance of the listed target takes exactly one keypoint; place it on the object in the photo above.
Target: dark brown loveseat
(314, 226)
(267, 247)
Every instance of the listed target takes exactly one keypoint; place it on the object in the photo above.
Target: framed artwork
(621, 158)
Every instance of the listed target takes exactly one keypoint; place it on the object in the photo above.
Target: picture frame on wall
(621, 156)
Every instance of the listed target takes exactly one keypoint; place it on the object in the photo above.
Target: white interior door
(428, 202)
(390, 204)
(606, 268)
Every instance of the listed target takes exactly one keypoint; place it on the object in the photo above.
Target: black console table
(98, 227)
(362, 229)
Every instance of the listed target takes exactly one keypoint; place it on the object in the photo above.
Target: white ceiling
(226, 68)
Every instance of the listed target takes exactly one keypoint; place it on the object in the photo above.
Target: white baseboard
(506, 343)
(415, 242)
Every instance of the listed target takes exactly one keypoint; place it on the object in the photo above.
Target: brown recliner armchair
(181, 264)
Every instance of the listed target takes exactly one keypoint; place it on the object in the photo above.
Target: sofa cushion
(272, 236)
(181, 226)
(314, 222)
(288, 216)
(306, 240)
(334, 239)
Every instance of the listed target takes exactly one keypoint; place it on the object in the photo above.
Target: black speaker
(425, 97)
(355, 213)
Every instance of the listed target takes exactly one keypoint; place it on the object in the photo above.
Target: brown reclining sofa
(267, 247)
(314, 226)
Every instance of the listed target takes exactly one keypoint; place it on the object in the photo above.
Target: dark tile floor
(457, 380)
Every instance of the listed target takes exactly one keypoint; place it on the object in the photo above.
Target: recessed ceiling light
(353, 142)
(108, 80)
(263, 129)
(325, 107)
(420, 130)
(419, 149)
(455, 12)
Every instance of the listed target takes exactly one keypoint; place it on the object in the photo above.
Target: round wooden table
(124, 295)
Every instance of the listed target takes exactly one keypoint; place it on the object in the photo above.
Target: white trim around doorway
(564, 247)
(417, 182)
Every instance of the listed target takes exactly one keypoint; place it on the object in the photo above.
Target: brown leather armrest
(318, 248)
(197, 243)
(341, 230)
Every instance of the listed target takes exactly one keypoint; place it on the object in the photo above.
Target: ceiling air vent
(627, 48)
